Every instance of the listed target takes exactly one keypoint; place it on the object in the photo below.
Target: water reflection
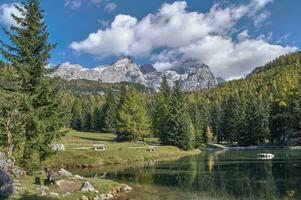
(221, 175)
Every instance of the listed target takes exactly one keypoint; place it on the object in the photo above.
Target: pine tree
(77, 118)
(133, 120)
(256, 122)
(230, 118)
(160, 110)
(28, 54)
(198, 121)
(179, 129)
(109, 113)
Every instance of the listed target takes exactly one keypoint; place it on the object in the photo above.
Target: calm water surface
(216, 175)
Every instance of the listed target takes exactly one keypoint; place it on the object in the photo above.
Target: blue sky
(230, 36)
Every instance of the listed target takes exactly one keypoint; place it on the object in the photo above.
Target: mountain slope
(195, 76)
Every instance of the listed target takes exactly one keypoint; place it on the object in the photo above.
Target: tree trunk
(10, 145)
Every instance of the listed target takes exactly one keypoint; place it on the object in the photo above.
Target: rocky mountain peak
(189, 64)
(147, 68)
(192, 74)
(124, 61)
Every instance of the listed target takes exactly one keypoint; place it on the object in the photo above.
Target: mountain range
(192, 75)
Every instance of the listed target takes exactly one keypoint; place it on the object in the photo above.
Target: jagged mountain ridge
(192, 76)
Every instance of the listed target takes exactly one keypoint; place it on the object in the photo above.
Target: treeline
(263, 108)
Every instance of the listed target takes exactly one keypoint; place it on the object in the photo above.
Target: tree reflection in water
(219, 175)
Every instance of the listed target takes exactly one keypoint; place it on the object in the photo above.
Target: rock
(18, 171)
(96, 147)
(42, 190)
(295, 139)
(84, 198)
(78, 177)
(18, 188)
(42, 194)
(6, 184)
(3, 163)
(126, 189)
(54, 194)
(64, 173)
(51, 176)
(100, 197)
(87, 187)
(66, 194)
(58, 147)
(43, 187)
(109, 196)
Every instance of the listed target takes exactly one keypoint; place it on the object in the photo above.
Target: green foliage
(161, 108)
(263, 107)
(109, 114)
(178, 130)
(43, 104)
(133, 119)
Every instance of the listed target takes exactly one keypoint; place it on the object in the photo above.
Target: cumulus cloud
(6, 10)
(177, 33)
(110, 7)
(74, 4)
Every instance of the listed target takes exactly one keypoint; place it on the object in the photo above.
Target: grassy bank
(79, 151)
(32, 193)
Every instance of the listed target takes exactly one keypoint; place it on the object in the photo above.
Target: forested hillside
(263, 108)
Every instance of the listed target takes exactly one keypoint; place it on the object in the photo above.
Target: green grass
(102, 185)
(80, 154)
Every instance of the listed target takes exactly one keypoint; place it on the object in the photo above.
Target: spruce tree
(256, 122)
(179, 130)
(160, 110)
(230, 119)
(133, 120)
(28, 53)
(77, 117)
(109, 113)
(197, 115)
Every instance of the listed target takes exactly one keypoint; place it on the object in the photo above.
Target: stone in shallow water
(6, 185)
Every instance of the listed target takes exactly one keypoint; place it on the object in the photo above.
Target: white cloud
(177, 32)
(109, 7)
(6, 10)
(259, 19)
(104, 23)
(74, 4)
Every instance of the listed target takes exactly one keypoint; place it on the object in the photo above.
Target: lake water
(220, 175)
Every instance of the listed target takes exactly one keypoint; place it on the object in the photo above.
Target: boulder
(54, 194)
(18, 187)
(51, 176)
(84, 198)
(18, 171)
(6, 185)
(42, 190)
(78, 177)
(126, 189)
(4, 162)
(100, 197)
(110, 196)
(64, 173)
(87, 187)
(58, 147)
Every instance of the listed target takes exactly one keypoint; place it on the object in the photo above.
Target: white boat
(265, 156)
